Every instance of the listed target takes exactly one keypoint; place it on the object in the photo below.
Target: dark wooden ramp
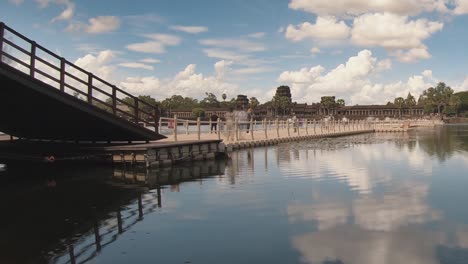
(49, 102)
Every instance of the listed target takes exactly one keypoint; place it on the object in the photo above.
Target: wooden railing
(19, 52)
(180, 129)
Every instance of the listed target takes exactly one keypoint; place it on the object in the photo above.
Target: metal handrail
(137, 113)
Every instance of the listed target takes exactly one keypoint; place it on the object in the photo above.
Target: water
(368, 199)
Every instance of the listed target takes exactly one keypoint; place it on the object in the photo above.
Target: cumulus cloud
(359, 7)
(187, 83)
(190, 29)
(461, 7)
(352, 81)
(96, 25)
(99, 65)
(398, 34)
(157, 43)
(66, 14)
(325, 28)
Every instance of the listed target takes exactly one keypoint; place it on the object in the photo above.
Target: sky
(363, 51)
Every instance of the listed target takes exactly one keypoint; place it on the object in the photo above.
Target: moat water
(367, 199)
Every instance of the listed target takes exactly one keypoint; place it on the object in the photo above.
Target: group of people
(243, 118)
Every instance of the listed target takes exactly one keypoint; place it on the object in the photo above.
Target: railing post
(236, 124)
(2, 33)
(287, 125)
(314, 124)
(277, 127)
(114, 99)
(252, 128)
(62, 74)
(186, 127)
(90, 88)
(32, 63)
(218, 128)
(209, 125)
(198, 128)
(175, 128)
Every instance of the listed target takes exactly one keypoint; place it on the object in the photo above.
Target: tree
(224, 96)
(410, 101)
(340, 102)
(454, 104)
(399, 103)
(210, 100)
(436, 98)
(253, 102)
(281, 102)
(198, 112)
(328, 103)
(178, 102)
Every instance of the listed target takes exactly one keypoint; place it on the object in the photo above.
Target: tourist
(229, 116)
(294, 121)
(250, 115)
(214, 123)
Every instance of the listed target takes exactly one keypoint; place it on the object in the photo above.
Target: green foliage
(399, 102)
(340, 102)
(439, 98)
(328, 102)
(463, 106)
(224, 96)
(281, 102)
(178, 102)
(198, 112)
(209, 101)
(253, 102)
(410, 101)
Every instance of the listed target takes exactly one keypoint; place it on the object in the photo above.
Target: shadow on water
(58, 214)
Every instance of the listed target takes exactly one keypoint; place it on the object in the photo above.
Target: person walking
(229, 116)
(214, 123)
(249, 117)
(294, 121)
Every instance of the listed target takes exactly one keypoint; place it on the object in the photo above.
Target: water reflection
(69, 215)
(374, 198)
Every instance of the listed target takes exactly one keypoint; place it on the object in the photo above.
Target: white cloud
(325, 28)
(186, 83)
(253, 70)
(222, 67)
(98, 65)
(136, 65)
(225, 55)
(157, 44)
(358, 7)
(461, 7)
(238, 44)
(96, 25)
(352, 81)
(315, 50)
(67, 13)
(150, 60)
(190, 29)
(399, 35)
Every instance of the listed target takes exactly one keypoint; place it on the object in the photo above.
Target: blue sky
(363, 51)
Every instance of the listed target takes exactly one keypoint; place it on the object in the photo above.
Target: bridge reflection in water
(68, 215)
